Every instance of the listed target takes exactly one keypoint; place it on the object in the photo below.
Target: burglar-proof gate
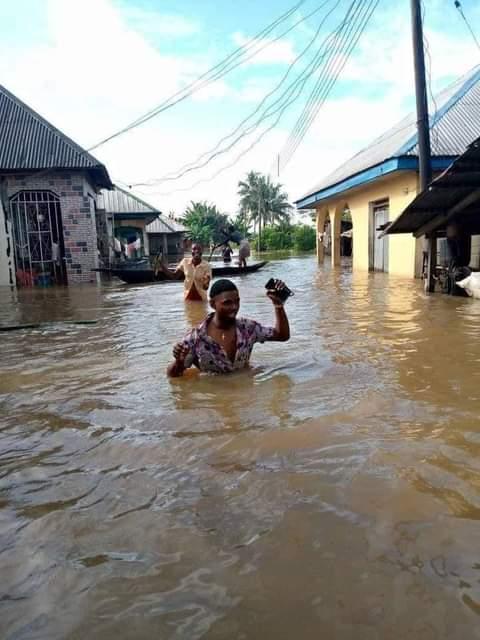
(38, 238)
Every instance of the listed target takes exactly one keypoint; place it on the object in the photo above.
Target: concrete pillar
(335, 228)
(7, 269)
(165, 247)
(146, 243)
(321, 215)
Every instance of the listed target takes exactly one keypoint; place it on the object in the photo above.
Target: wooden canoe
(139, 276)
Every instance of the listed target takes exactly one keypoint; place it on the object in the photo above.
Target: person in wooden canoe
(223, 343)
(197, 273)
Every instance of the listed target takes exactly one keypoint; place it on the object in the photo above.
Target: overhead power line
(240, 131)
(322, 90)
(469, 27)
(238, 57)
(289, 95)
(426, 46)
(320, 84)
(340, 53)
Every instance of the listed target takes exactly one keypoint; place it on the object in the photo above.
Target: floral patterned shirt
(208, 355)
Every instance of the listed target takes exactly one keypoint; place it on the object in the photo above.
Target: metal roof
(176, 226)
(455, 191)
(124, 204)
(28, 142)
(165, 225)
(119, 201)
(453, 126)
(159, 226)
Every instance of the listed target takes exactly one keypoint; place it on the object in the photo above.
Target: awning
(456, 190)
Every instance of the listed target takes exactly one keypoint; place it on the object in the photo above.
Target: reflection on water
(331, 491)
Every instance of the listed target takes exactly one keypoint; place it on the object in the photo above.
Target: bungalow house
(130, 228)
(48, 189)
(166, 236)
(122, 219)
(378, 183)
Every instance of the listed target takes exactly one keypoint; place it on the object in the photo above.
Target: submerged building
(48, 189)
(380, 181)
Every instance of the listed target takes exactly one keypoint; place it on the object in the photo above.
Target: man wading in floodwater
(223, 343)
(197, 273)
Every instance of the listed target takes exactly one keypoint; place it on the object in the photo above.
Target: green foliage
(304, 237)
(277, 238)
(262, 202)
(204, 223)
(241, 223)
(284, 237)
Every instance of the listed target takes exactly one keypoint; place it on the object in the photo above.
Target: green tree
(262, 202)
(241, 223)
(277, 238)
(204, 223)
(304, 237)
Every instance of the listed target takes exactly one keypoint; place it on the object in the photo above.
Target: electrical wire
(426, 45)
(212, 153)
(325, 74)
(357, 34)
(320, 94)
(269, 111)
(469, 27)
(296, 87)
(232, 61)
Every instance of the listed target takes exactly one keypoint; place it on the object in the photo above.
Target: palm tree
(262, 201)
(204, 222)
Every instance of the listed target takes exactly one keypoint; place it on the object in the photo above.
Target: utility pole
(423, 129)
(259, 242)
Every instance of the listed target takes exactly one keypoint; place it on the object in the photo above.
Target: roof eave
(101, 178)
(366, 176)
(148, 216)
(425, 213)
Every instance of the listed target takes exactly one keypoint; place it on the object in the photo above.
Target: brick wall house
(48, 188)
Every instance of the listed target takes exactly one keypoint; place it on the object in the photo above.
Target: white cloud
(159, 24)
(253, 91)
(93, 76)
(280, 52)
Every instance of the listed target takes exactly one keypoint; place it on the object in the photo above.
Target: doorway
(379, 246)
(38, 239)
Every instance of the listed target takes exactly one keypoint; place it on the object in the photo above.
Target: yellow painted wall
(399, 190)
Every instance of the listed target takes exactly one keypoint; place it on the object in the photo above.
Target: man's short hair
(220, 286)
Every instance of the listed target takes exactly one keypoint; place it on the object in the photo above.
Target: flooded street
(333, 491)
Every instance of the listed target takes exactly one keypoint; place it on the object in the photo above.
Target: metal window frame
(23, 204)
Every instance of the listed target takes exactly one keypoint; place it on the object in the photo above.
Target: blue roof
(454, 125)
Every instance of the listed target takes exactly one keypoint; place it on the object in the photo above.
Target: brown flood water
(331, 492)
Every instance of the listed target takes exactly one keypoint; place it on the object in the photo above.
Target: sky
(91, 67)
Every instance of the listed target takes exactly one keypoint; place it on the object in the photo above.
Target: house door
(380, 247)
(38, 239)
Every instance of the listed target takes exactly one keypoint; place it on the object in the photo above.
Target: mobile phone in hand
(283, 294)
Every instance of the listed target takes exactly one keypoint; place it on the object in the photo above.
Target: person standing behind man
(227, 253)
(196, 272)
(243, 252)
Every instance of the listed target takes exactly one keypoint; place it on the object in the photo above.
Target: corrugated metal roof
(165, 225)
(159, 226)
(176, 226)
(29, 142)
(455, 191)
(454, 125)
(120, 201)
